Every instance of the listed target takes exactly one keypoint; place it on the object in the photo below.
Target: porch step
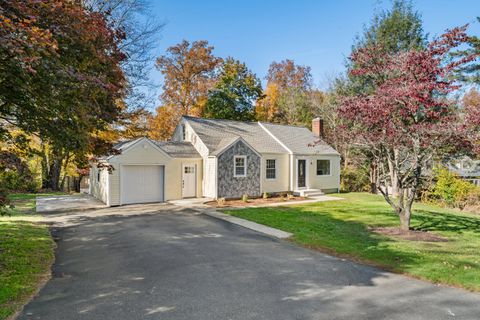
(309, 193)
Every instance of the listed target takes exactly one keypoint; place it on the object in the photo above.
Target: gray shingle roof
(122, 145)
(299, 140)
(175, 149)
(178, 149)
(216, 134)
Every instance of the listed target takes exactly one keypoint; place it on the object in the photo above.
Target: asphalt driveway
(182, 265)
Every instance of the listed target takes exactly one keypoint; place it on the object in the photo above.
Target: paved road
(186, 266)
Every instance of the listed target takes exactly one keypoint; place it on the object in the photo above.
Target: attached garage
(147, 171)
(142, 184)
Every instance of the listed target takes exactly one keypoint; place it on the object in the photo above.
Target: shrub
(452, 191)
(354, 180)
(265, 195)
(13, 181)
(245, 198)
(221, 201)
(5, 204)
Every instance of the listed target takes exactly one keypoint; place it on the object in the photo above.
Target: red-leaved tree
(409, 119)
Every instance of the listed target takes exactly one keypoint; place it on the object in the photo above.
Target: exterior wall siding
(145, 153)
(99, 189)
(328, 182)
(281, 181)
(210, 177)
(234, 187)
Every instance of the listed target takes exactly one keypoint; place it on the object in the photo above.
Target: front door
(301, 173)
(188, 181)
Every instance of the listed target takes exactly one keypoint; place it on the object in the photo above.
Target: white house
(219, 159)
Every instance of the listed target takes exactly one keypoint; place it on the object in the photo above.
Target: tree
(407, 119)
(141, 34)
(61, 78)
(189, 72)
(395, 30)
(234, 93)
(471, 105)
(287, 98)
(470, 73)
(162, 125)
(266, 108)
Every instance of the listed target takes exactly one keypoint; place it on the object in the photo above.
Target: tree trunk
(405, 218)
(45, 167)
(393, 178)
(54, 175)
(373, 177)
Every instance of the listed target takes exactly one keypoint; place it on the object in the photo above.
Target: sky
(318, 33)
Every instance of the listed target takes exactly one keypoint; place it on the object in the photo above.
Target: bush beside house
(450, 190)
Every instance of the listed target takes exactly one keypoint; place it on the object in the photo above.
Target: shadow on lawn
(344, 238)
(425, 220)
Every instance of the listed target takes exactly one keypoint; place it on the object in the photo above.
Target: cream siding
(99, 189)
(281, 182)
(145, 153)
(210, 178)
(313, 181)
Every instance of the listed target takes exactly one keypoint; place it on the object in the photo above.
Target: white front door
(188, 181)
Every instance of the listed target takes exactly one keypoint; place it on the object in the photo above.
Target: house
(466, 168)
(219, 159)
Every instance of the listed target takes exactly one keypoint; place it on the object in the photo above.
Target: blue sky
(314, 33)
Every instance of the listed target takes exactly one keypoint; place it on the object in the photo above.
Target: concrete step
(309, 192)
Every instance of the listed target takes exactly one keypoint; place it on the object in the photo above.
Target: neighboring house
(219, 159)
(467, 169)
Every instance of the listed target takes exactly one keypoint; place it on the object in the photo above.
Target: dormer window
(184, 133)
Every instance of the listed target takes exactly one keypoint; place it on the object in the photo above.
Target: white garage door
(142, 184)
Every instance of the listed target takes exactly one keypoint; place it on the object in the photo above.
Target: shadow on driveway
(176, 264)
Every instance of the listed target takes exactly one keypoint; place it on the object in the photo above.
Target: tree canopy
(234, 94)
(408, 118)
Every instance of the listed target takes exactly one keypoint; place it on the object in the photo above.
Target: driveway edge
(248, 224)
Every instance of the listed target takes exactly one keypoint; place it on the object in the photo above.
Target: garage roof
(178, 149)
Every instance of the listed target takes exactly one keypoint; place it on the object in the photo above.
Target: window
(271, 170)
(184, 133)
(240, 166)
(323, 167)
(189, 169)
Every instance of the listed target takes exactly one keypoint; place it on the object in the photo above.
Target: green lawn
(26, 254)
(342, 228)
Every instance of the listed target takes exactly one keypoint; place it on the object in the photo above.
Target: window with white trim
(240, 166)
(323, 167)
(271, 169)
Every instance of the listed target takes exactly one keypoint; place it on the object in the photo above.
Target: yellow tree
(266, 108)
(189, 72)
(162, 124)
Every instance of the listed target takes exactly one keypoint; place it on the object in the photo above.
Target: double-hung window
(323, 167)
(271, 169)
(240, 166)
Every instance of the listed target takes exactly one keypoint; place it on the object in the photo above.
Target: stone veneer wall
(231, 187)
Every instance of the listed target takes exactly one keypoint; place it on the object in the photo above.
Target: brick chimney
(317, 127)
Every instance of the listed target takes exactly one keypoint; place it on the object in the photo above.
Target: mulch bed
(410, 235)
(253, 202)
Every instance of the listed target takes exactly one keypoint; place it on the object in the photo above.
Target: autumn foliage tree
(286, 99)
(408, 118)
(189, 71)
(60, 78)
